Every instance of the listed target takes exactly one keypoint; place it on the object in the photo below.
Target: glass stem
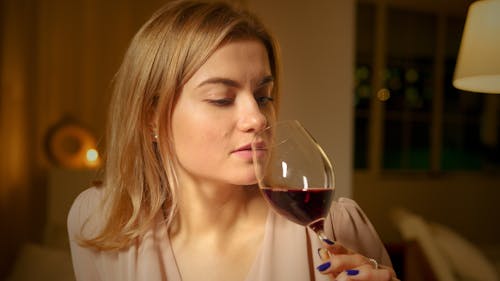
(322, 236)
(317, 227)
(323, 252)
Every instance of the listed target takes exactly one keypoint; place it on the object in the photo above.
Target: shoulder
(346, 214)
(346, 210)
(347, 203)
(83, 209)
(349, 207)
(352, 227)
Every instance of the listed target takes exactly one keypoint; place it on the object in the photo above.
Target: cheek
(187, 133)
(195, 139)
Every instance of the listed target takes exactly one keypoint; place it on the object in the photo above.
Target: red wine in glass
(294, 174)
(306, 207)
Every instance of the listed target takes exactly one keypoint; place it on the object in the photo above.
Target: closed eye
(264, 100)
(221, 102)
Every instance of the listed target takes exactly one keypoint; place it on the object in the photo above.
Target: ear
(153, 121)
(154, 135)
(153, 130)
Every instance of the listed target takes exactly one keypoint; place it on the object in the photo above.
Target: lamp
(478, 63)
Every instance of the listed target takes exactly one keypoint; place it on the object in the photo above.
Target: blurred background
(371, 79)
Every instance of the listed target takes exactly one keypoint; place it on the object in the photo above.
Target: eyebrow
(231, 83)
(266, 80)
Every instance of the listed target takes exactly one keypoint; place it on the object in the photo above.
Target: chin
(239, 176)
(245, 180)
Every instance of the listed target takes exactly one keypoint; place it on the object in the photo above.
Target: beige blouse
(288, 251)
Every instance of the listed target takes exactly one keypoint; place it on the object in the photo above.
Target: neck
(216, 212)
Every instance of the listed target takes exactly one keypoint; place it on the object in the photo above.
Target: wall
(317, 42)
(466, 202)
(16, 169)
(57, 59)
(80, 46)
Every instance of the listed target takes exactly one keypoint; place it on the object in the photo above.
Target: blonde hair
(140, 179)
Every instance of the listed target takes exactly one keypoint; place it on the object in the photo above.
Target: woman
(179, 200)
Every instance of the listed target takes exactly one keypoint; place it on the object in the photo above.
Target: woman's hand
(342, 264)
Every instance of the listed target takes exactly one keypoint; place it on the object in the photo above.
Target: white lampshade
(478, 63)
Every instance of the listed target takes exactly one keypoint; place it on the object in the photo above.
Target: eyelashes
(225, 102)
(264, 100)
(222, 102)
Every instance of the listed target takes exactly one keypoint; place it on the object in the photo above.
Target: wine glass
(294, 174)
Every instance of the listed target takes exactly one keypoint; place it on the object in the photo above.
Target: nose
(252, 119)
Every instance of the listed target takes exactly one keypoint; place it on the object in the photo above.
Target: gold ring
(374, 263)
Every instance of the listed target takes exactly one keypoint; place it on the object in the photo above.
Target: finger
(331, 248)
(335, 247)
(365, 272)
(391, 271)
(339, 263)
(323, 254)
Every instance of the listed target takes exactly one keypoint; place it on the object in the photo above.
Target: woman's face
(218, 112)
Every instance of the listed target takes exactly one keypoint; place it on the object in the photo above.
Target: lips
(245, 152)
(243, 148)
(248, 147)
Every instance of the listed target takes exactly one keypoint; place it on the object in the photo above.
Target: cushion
(450, 255)
(414, 228)
(467, 261)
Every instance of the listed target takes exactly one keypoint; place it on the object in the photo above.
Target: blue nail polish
(324, 266)
(352, 272)
(328, 241)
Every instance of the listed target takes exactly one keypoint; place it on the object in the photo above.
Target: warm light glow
(478, 62)
(92, 155)
(411, 75)
(383, 94)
